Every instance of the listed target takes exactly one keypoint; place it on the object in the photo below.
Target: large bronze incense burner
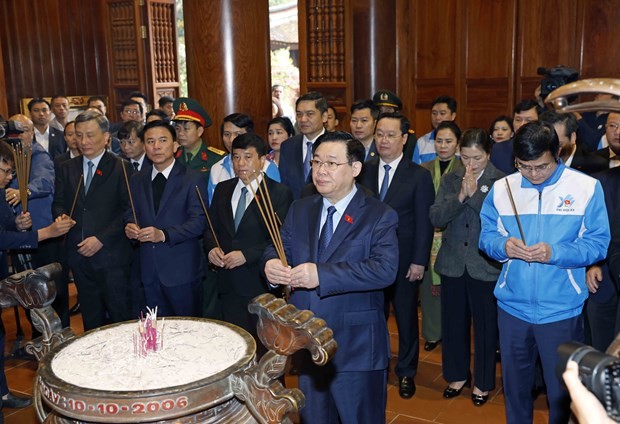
(243, 391)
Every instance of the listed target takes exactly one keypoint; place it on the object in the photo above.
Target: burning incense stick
(514, 209)
(77, 193)
(22, 158)
(133, 210)
(204, 208)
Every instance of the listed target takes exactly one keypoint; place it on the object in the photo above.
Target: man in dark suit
(170, 222)
(296, 152)
(408, 189)
(571, 152)
(52, 139)
(132, 146)
(364, 116)
(342, 249)
(241, 231)
(92, 190)
(611, 153)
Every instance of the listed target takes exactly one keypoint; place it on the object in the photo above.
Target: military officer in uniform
(190, 120)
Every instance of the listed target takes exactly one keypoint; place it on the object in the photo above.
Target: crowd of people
(506, 230)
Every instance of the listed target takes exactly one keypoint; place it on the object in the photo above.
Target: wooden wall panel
(437, 56)
(488, 61)
(601, 39)
(52, 46)
(547, 36)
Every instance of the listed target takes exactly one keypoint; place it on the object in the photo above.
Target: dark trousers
(463, 299)
(104, 294)
(404, 297)
(600, 322)
(521, 342)
(184, 300)
(342, 397)
(50, 251)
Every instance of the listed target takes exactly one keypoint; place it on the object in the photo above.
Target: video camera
(555, 77)
(9, 128)
(599, 372)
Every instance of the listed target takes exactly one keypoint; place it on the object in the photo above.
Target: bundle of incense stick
(133, 210)
(270, 217)
(514, 209)
(23, 156)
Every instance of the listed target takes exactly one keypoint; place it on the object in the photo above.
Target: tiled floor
(427, 406)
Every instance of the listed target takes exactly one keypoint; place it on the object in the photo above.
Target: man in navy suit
(408, 189)
(296, 152)
(170, 222)
(52, 139)
(342, 249)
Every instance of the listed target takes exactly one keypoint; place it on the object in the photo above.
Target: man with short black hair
(51, 139)
(546, 224)
(296, 152)
(170, 222)
(443, 108)
(141, 98)
(132, 145)
(166, 104)
(60, 109)
(364, 116)
(240, 229)
(97, 102)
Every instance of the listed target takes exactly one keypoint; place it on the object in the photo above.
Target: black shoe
(15, 402)
(406, 387)
(479, 400)
(428, 346)
(449, 392)
(75, 309)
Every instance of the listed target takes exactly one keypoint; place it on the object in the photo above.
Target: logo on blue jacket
(566, 203)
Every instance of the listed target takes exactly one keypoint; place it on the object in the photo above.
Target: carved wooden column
(374, 46)
(228, 60)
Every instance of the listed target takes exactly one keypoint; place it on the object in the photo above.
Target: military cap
(387, 98)
(186, 109)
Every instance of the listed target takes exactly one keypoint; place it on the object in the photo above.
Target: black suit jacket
(410, 194)
(587, 162)
(98, 213)
(251, 238)
(610, 181)
(57, 145)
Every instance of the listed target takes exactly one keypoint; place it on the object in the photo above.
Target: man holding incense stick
(541, 290)
(168, 220)
(241, 210)
(342, 249)
(91, 190)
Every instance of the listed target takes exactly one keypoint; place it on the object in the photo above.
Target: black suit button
(466, 244)
(466, 225)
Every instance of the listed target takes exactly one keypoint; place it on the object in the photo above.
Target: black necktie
(159, 183)
(136, 165)
(326, 232)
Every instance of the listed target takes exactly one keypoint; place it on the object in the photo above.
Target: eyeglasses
(530, 169)
(330, 166)
(381, 136)
(9, 171)
(614, 127)
(131, 112)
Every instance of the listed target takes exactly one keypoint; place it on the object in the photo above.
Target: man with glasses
(408, 189)
(611, 152)
(343, 251)
(546, 223)
(190, 120)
